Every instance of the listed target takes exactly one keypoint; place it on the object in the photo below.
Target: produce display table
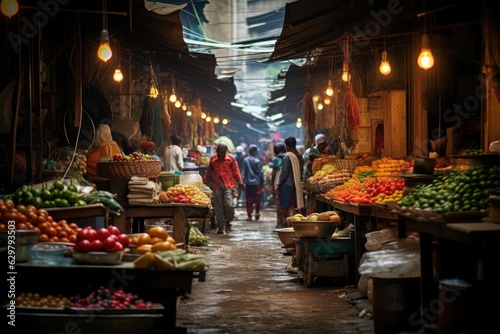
(68, 278)
(95, 215)
(323, 258)
(468, 250)
(361, 214)
(180, 213)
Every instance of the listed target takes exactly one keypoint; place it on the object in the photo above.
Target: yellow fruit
(144, 238)
(163, 246)
(171, 240)
(142, 249)
(335, 218)
(155, 240)
(145, 260)
(157, 231)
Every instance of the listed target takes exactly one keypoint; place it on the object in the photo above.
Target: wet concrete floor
(248, 288)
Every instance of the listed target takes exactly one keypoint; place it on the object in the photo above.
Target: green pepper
(46, 195)
(59, 185)
(73, 198)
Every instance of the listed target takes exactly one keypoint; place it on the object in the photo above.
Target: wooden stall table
(95, 215)
(69, 278)
(479, 241)
(361, 214)
(180, 213)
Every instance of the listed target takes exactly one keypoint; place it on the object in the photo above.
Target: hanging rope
(308, 110)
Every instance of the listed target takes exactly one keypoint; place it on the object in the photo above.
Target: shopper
(253, 178)
(221, 174)
(173, 158)
(104, 146)
(289, 190)
(279, 153)
(240, 155)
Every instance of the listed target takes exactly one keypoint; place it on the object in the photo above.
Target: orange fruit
(171, 240)
(157, 231)
(163, 246)
(142, 249)
(143, 239)
(155, 240)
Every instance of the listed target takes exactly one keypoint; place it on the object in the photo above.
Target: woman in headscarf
(104, 146)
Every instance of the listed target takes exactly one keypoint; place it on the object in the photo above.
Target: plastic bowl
(307, 229)
(48, 253)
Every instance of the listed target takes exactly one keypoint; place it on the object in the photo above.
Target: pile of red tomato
(104, 239)
(28, 217)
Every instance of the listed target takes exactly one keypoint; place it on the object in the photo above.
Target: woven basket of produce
(145, 168)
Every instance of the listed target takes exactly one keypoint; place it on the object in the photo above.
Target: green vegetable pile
(58, 195)
(196, 238)
(457, 191)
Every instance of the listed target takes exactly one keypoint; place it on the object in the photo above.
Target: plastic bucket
(456, 307)
(396, 304)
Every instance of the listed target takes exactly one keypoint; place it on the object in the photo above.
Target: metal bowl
(307, 229)
(286, 236)
(98, 257)
(22, 240)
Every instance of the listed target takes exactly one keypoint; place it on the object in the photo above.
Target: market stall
(180, 214)
(161, 286)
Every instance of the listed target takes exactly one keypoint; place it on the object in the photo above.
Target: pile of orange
(155, 239)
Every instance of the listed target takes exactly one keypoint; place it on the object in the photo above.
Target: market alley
(249, 290)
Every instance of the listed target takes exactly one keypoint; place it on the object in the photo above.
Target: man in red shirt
(221, 174)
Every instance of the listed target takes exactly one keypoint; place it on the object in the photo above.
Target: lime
(73, 188)
(59, 185)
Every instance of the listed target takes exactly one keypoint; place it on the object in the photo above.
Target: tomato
(84, 246)
(124, 239)
(9, 204)
(3, 227)
(109, 244)
(4, 209)
(114, 230)
(96, 245)
(51, 232)
(21, 226)
(72, 238)
(118, 246)
(43, 237)
(102, 233)
(62, 222)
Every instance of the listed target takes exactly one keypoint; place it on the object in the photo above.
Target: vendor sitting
(148, 147)
(104, 146)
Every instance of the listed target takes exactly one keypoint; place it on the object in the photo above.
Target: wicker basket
(145, 168)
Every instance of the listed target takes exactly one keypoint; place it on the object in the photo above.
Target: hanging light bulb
(177, 104)
(345, 72)
(153, 91)
(173, 97)
(216, 120)
(329, 88)
(316, 98)
(225, 121)
(327, 101)
(208, 119)
(118, 75)
(425, 58)
(203, 115)
(184, 107)
(385, 67)
(320, 106)
(298, 123)
(104, 52)
(189, 113)
(9, 8)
